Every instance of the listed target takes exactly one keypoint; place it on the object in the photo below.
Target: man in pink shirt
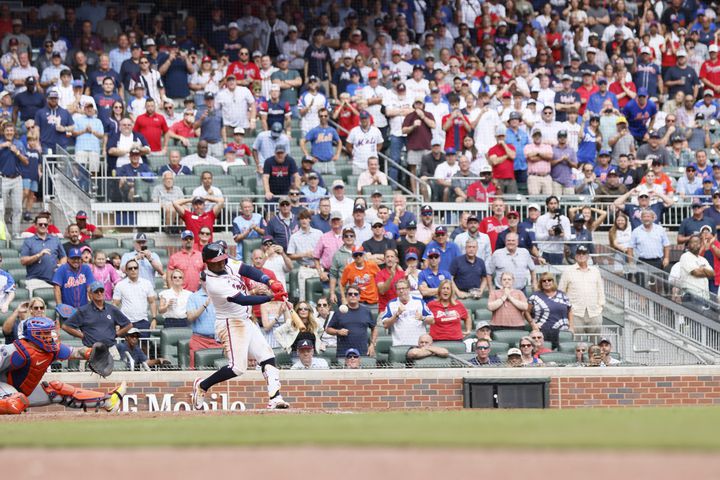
(329, 243)
(538, 156)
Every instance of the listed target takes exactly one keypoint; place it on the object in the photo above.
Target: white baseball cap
(681, 53)
(713, 48)
(646, 50)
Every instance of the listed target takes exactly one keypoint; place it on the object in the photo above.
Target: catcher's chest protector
(28, 367)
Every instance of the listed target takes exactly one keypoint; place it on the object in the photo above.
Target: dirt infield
(354, 463)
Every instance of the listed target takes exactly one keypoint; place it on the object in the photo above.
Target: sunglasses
(323, 305)
(433, 256)
(42, 224)
(177, 278)
(303, 309)
(547, 280)
(353, 294)
(131, 268)
(37, 307)
(482, 348)
(348, 236)
(205, 233)
(525, 345)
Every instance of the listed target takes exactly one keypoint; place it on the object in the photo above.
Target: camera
(557, 229)
(143, 248)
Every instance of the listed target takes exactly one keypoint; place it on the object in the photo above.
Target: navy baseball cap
(604, 152)
(450, 151)
(352, 352)
(642, 92)
(81, 214)
(411, 256)
(306, 345)
(187, 234)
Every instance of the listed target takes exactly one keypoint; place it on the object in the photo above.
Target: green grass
(652, 428)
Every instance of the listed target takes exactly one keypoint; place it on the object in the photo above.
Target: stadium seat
(11, 263)
(293, 285)
(282, 358)
(497, 348)
(220, 362)
(472, 304)
(160, 283)
(382, 348)
(169, 338)
(183, 181)
(10, 252)
(369, 189)
(565, 336)
(567, 347)
(106, 243)
(250, 244)
(216, 170)
(224, 181)
(47, 294)
(482, 315)
(241, 172)
(398, 354)
(433, 362)
(329, 354)
(452, 347)
(365, 362)
(511, 337)
(183, 353)
(205, 359)
(313, 289)
(558, 357)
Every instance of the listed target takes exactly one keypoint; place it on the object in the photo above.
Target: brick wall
(399, 389)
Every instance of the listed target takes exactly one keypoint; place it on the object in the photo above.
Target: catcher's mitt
(100, 360)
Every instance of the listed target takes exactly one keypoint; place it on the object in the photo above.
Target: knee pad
(73, 397)
(14, 404)
(270, 361)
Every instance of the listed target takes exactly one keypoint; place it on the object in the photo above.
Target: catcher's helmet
(41, 331)
(213, 252)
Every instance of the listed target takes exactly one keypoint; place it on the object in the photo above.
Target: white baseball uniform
(234, 328)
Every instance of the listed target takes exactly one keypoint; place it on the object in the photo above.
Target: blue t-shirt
(44, 268)
(136, 353)
(281, 174)
(357, 322)
(518, 140)
(446, 256)
(323, 140)
(30, 171)
(28, 104)
(467, 275)
(205, 323)
(9, 162)
(596, 100)
(176, 77)
(431, 279)
(96, 78)
(240, 224)
(46, 119)
(73, 284)
(638, 116)
(587, 149)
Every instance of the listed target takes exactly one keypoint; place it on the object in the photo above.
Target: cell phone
(143, 248)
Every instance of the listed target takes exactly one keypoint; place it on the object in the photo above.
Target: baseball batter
(24, 362)
(239, 335)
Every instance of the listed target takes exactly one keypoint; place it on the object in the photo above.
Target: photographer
(551, 230)
(175, 66)
(148, 262)
(622, 143)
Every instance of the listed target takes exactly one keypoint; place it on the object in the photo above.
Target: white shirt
(401, 68)
(229, 284)
(484, 134)
(364, 145)
(445, 171)
(417, 89)
(393, 101)
(133, 297)
(276, 264)
(313, 102)
(315, 364)
(438, 112)
(542, 232)
(201, 192)
(67, 97)
(694, 285)
(375, 110)
(484, 250)
(124, 143)
(179, 308)
(235, 106)
(191, 160)
(344, 206)
(407, 328)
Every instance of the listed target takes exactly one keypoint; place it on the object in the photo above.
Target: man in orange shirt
(360, 273)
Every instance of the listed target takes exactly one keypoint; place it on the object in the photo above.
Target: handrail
(395, 164)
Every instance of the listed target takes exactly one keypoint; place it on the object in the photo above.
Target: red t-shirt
(585, 93)
(348, 120)
(492, 227)
(480, 193)
(455, 135)
(617, 90)
(240, 149)
(710, 71)
(506, 170)
(449, 321)
(716, 262)
(381, 277)
(183, 129)
(152, 128)
(243, 71)
(194, 223)
(90, 228)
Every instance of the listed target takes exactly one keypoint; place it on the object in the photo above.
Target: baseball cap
(313, 78)
(276, 129)
(358, 250)
(198, 200)
(307, 158)
(426, 210)
(591, 50)
(401, 86)
(95, 286)
(411, 256)
(433, 251)
(500, 131)
(149, 42)
(256, 53)
(440, 229)
(233, 25)
(707, 92)
(81, 214)
(305, 345)
(377, 223)
(140, 237)
(536, 131)
(292, 28)
(274, 87)
(612, 171)
(74, 253)
(486, 169)
(562, 133)
(483, 324)
(52, 93)
(279, 147)
(602, 80)
(338, 184)
(358, 208)
(352, 352)
(282, 58)
(508, 58)
(173, 43)
(239, 130)
(705, 227)
(284, 200)
(643, 194)
(364, 114)
(132, 331)
(373, 74)
(209, 96)
(134, 151)
(681, 53)
(450, 151)
(335, 215)
(713, 48)
(604, 152)
(605, 340)
(411, 225)
(578, 218)
(30, 81)
(78, 83)
(268, 239)
(646, 50)
(514, 351)
(229, 150)
(642, 92)
(565, 77)
(515, 116)
(535, 206)
(187, 234)
(620, 119)
(654, 134)
(581, 249)
(514, 213)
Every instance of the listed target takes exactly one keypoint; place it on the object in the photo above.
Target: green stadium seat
(251, 183)
(329, 354)
(205, 359)
(106, 243)
(250, 244)
(472, 304)
(497, 348)
(128, 244)
(433, 362)
(47, 294)
(313, 289)
(367, 190)
(11, 263)
(282, 358)
(558, 357)
(160, 282)
(451, 346)
(567, 347)
(382, 348)
(293, 285)
(224, 181)
(398, 354)
(565, 336)
(482, 315)
(216, 170)
(169, 338)
(183, 181)
(511, 337)
(241, 172)
(17, 243)
(155, 162)
(220, 362)
(10, 252)
(188, 190)
(183, 353)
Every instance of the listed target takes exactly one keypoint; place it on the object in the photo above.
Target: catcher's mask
(41, 331)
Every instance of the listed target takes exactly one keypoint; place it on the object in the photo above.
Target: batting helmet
(213, 252)
(41, 332)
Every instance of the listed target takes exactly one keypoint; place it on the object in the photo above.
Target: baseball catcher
(239, 335)
(24, 362)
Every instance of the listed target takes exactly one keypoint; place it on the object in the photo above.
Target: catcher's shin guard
(14, 404)
(73, 397)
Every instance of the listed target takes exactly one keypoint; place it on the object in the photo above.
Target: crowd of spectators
(614, 101)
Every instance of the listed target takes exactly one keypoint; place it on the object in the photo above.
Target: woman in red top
(449, 315)
(554, 41)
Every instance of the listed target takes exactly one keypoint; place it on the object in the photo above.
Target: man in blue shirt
(201, 315)
(448, 250)
(71, 280)
(133, 169)
(96, 77)
(96, 321)
(249, 224)
(41, 254)
(518, 138)
(209, 120)
(174, 67)
(640, 113)
(647, 73)
(468, 271)
(430, 278)
(596, 100)
(12, 156)
(28, 102)
(326, 144)
(351, 327)
(55, 123)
